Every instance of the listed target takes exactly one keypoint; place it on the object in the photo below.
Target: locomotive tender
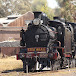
(46, 44)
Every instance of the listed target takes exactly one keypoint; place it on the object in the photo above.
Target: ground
(12, 67)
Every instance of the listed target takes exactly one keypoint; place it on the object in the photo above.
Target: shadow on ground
(14, 70)
(21, 70)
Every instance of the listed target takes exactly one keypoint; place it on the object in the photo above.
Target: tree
(57, 11)
(42, 5)
(8, 7)
(67, 9)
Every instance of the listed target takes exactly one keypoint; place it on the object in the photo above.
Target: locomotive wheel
(68, 63)
(75, 62)
(72, 63)
(55, 65)
(25, 67)
(65, 62)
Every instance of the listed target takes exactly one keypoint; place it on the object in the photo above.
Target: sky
(52, 3)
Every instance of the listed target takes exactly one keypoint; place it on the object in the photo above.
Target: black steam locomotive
(46, 44)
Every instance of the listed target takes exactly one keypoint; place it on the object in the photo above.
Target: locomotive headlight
(36, 21)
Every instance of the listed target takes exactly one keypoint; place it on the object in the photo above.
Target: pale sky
(52, 3)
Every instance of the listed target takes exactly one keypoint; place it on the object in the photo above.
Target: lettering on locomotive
(36, 49)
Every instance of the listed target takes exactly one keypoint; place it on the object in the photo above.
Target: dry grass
(11, 67)
(10, 63)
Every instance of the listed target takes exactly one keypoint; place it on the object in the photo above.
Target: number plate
(36, 49)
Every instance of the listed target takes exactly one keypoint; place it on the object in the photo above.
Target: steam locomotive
(47, 44)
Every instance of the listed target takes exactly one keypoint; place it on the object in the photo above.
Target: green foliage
(8, 7)
(57, 11)
(67, 10)
(41, 5)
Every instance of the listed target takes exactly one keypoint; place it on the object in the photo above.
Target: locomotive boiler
(46, 44)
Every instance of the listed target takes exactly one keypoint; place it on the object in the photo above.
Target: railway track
(66, 72)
